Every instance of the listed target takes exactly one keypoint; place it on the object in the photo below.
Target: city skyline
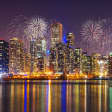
(55, 56)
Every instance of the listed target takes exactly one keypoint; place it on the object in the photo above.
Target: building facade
(16, 56)
(70, 39)
(77, 60)
(4, 57)
(56, 33)
(57, 58)
(38, 49)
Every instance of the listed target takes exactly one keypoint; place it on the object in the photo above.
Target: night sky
(69, 12)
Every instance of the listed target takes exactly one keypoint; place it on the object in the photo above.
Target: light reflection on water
(56, 96)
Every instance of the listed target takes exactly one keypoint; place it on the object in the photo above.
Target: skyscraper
(95, 65)
(33, 52)
(27, 62)
(70, 39)
(69, 60)
(57, 58)
(110, 63)
(77, 59)
(38, 54)
(56, 33)
(4, 57)
(16, 56)
(86, 63)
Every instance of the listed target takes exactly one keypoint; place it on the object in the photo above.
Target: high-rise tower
(4, 57)
(70, 39)
(56, 33)
(16, 56)
(38, 54)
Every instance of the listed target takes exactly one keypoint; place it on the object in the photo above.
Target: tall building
(33, 52)
(27, 62)
(102, 67)
(110, 63)
(56, 33)
(4, 57)
(57, 58)
(77, 60)
(69, 60)
(86, 63)
(38, 55)
(70, 39)
(89, 65)
(16, 56)
(95, 66)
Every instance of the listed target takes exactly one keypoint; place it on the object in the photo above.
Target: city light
(61, 60)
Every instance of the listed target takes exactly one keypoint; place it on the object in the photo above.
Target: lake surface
(56, 96)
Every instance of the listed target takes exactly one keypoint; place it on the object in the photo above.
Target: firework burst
(97, 36)
(91, 30)
(91, 34)
(106, 42)
(36, 28)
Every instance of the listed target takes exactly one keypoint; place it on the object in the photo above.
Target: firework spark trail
(107, 37)
(27, 28)
(91, 32)
(16, 28)
(36, 28)
(97, 36)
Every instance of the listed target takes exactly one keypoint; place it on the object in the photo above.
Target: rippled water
(56, 96)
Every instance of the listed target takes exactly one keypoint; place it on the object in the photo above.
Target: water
(56, 96)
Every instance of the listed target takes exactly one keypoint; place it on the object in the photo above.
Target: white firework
(91, 30)
(36, 28)
(106, 42)
(91, 33)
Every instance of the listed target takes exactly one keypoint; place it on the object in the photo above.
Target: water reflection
(56, 96)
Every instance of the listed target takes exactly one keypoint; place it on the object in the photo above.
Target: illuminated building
(4, 57)
(33, 52)
(95, 67)
(53, 59)
(86, 63)
(103, 67)
(38, 54)
(77, 60)
(62, 58)
(27, 62)
(99, 65)
(89, 64)
(110, 63)
(70, 39)
(69, 60)
(16, 56)
(56, 33)
(69, 53)
(57, 58)
(41, 54)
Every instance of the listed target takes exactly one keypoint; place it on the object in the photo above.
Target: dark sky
(70, 13)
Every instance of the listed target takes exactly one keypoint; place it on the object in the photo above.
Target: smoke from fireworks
(36, 28)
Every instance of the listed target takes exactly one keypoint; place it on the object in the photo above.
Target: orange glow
(49, 97)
